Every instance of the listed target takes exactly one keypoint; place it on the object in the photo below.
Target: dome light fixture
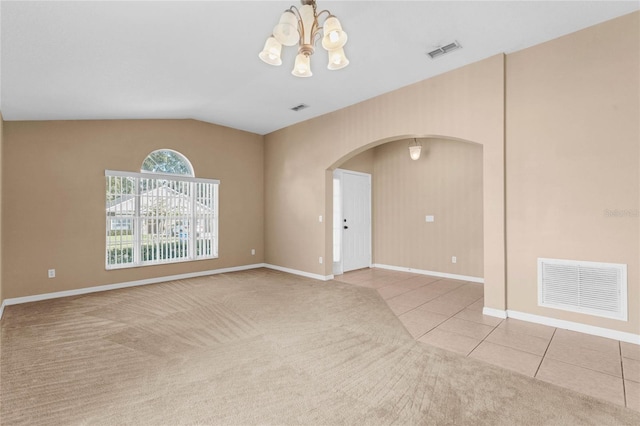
(415, 149)
(302, 27)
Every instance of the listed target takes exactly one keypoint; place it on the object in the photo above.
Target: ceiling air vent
(444, 50)
(592, 288)
(299, 107)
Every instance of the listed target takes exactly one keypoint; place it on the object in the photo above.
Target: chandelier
(302, 27)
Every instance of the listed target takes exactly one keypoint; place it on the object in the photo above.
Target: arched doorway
(472, 264)
(427, 212)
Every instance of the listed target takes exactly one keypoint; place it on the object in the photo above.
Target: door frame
(338, 267)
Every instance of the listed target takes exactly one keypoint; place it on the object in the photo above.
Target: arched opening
(493, 205)
(426, 214)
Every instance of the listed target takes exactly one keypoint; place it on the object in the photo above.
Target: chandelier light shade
(334, 37)
(271, 52)
(301, 26)
(286, 32)
(337, 59)
(302, 67)
(414, 150)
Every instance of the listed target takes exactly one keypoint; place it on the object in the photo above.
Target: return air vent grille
(444, 50)
(299, 107)
(592, 288)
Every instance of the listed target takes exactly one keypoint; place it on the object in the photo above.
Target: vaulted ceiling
(68, 60)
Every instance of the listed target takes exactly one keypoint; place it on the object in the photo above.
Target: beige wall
(572, 152)
(445, 182)
(362, 162)
(573, 148)
(1, 172)
(53, 199)
(465, 104)
(572, 144)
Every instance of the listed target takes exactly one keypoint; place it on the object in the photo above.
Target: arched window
(167, 161)
(164, 214)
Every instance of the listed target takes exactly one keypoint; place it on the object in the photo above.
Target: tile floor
(448, 314)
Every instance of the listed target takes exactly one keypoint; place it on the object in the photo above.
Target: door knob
(346, 227)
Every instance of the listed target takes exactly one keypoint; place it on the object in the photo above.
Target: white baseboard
(567, 325)
(300, 273)
(106, 287)
(576, 326)
(498, 313)
(99, 288)
(432, 273)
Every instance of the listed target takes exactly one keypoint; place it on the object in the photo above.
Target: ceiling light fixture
(414, 149)
(302, 27)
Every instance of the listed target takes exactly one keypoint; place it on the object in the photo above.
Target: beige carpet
(255, 347)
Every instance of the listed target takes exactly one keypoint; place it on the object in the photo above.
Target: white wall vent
(592, 288)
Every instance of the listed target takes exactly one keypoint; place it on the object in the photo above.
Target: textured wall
(573, 148)
(445, 182)
(1, 227)
(53, 215)
(572, 155)
(464, 104)
(362, 162)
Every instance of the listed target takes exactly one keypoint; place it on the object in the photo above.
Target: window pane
(159, 220)
(167, 161)
(120, 209)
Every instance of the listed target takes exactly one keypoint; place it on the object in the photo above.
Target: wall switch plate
(320, 218)
(454, 259)
(429, 218)
(320, 260)
(51, 273)
(253, 252)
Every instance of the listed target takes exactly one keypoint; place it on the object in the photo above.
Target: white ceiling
(64, 60)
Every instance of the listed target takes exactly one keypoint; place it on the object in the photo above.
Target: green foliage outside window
(150, 252)
(167, 162)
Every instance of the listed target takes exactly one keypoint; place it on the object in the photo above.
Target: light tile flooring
(448, 314)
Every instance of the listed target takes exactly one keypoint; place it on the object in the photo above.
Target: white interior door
(356, 220)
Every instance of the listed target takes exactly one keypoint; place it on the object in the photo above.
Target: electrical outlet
(51, 273)
(253, 252)
(320, 218)
(454, 259)
(320, 260)
(429, 218)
